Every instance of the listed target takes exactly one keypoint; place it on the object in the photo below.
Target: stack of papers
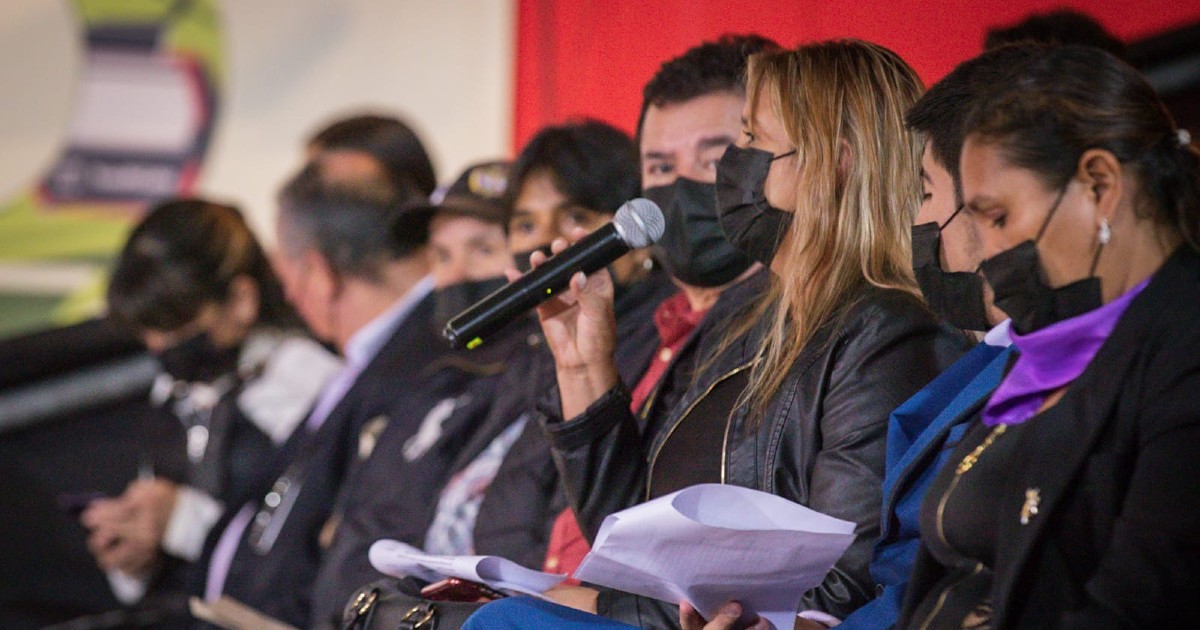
(712, 543)
(397, 559)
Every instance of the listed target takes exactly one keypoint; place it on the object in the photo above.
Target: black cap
(478, 193)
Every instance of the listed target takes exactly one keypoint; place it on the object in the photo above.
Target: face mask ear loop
(783, 155)
(1053, 209)
(333, 319)
(956, 211)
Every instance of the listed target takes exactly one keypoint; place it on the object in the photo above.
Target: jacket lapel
(966, 385)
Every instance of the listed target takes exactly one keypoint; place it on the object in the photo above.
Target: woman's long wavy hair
(842, 104)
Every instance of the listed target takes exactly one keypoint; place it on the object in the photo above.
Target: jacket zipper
(941, 601)
(965, 465)
(684, 415)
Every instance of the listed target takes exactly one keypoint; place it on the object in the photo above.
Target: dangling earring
(1105, 234)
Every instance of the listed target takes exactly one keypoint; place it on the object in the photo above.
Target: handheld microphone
(638, 223)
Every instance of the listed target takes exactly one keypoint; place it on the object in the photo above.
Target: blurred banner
(145, 102)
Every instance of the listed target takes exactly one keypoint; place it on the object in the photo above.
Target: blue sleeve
(880, 613)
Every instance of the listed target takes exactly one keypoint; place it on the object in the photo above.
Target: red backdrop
(591, 58)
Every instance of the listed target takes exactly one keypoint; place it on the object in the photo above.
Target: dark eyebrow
(477, 240)
(522, 212)
(974, 204)
(657, 155)
(713, 142)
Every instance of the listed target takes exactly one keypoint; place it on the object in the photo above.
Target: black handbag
(392, 604)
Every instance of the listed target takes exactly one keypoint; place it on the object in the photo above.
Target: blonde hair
(842, 105)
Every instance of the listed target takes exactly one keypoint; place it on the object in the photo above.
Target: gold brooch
(1033, 497)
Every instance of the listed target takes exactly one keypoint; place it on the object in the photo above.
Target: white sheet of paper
(394, 558)
(711, 543)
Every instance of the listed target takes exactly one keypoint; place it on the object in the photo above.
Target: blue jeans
(530, 612)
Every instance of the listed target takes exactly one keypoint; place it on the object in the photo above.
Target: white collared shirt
(362, 347)
(999, 336)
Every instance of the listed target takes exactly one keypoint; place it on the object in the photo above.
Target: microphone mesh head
(640, 222)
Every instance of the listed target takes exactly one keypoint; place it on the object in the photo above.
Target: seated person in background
(1058, 27)
(238, 370)
(368, 293)
(793, 398)
(368, 146)
(566, 177)
(393, 487)
(1074, 503)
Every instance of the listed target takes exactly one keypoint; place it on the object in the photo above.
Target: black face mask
(1019, 283)
(449, 301)
(522, 258)
(198, 360)
(693, 248)
(753, 226)
(955, 295)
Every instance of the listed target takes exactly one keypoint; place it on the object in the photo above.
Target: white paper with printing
(397, 559)
(712, 543)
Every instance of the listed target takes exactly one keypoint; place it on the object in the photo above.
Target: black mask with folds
(955, 295)
(198, 360)
(451, 300)
(1021, 290)
(753, 225)
(693, 248)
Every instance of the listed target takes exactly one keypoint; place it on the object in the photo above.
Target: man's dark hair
(941, 111)
(593, 164)
(711, 67)
(1062, 27)
(349, 225)
(394, 144)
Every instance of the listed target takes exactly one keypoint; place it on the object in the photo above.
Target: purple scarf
(1051, 358)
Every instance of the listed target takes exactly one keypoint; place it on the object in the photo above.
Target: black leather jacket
(820, 443)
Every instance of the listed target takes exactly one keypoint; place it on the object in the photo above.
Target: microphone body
(637, 227)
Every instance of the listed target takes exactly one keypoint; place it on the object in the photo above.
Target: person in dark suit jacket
(392, 489)
(1074, 503)
(368, 293)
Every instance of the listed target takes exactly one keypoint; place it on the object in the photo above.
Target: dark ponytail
(1170, 176)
